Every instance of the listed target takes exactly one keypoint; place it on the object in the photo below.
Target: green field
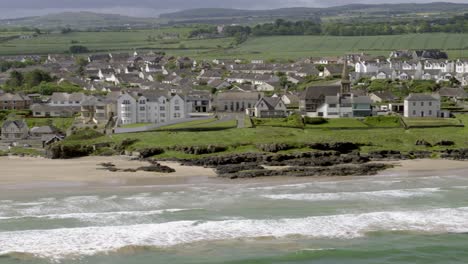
(275, 47)
(109, 41)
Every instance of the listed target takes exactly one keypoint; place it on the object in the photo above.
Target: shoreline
(18, 173)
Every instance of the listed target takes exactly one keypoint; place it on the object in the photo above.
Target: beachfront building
(13, 130)
(151, 107)
(422, 105)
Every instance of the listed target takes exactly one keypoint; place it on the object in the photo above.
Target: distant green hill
(79, 20)
(365, 9)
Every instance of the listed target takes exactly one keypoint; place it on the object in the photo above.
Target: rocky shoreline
(324, 159)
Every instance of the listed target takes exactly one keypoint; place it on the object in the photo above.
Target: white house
(151, 108)
(422, 105)
(349, 105)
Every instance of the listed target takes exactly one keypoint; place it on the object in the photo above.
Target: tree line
(37, 81)
(457, 24)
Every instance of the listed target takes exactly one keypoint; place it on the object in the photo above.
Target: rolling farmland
(274, 47)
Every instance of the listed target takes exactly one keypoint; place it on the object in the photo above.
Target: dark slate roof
(18, 123)
(270, 102)
(421, 97)
(315, 92)
(453, 92)
(386, 95)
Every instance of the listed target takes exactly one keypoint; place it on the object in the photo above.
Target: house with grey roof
(13, 130)
(14, 101)
(236, 101)
(270, 107)
(454, 94)
(422, 105)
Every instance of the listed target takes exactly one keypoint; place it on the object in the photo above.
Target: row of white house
(444, 66)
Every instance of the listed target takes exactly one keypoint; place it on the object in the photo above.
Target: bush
(78, 49)
(85, 134)
(315, 120)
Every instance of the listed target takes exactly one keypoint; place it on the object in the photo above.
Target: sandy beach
(28, 172)
(17, 171)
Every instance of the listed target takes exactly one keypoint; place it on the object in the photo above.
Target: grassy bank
(247, 139)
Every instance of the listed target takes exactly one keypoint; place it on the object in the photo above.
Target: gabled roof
(453, 92)
(20, 124)
(315, 92)
(386, 95)
(421, 97)
(270, 102)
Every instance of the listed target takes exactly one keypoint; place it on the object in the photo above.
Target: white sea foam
(389, 194)
(97, 217)
(74, 242)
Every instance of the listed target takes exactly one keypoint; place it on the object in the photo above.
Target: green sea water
(390, 218)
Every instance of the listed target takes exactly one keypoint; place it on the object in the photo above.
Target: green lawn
(189, 124)
(431, 122)
(383, 121)
(136, 125)
(61, 123)
(340, 123)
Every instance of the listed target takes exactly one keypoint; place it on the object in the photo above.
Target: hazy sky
(19, 8)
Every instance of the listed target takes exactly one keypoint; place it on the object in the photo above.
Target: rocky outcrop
(62, 151)
(153, 167)
(422, 142)
(342, 147)
(275, 147)
(445, 143)
(338, 170)
(149, 152)
(387, 155)
(199, 150)
(455, 154)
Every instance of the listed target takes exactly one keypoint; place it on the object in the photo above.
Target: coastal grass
(245, 139)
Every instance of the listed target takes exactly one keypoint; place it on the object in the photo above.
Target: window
(430, 112)
(414, 103)
(176, 102)
(142, 108)
(142, 101)
(163, 115)
(331, 105)
(414, 112)
(162, 108)
(422, 103)
(430, 103)
(177, 108)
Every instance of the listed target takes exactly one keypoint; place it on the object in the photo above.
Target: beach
(401, 215)
(29, 172)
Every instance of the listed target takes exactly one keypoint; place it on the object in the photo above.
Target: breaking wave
(57, 244)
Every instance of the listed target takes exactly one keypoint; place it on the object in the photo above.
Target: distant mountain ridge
(79, 20)
(206, 13)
